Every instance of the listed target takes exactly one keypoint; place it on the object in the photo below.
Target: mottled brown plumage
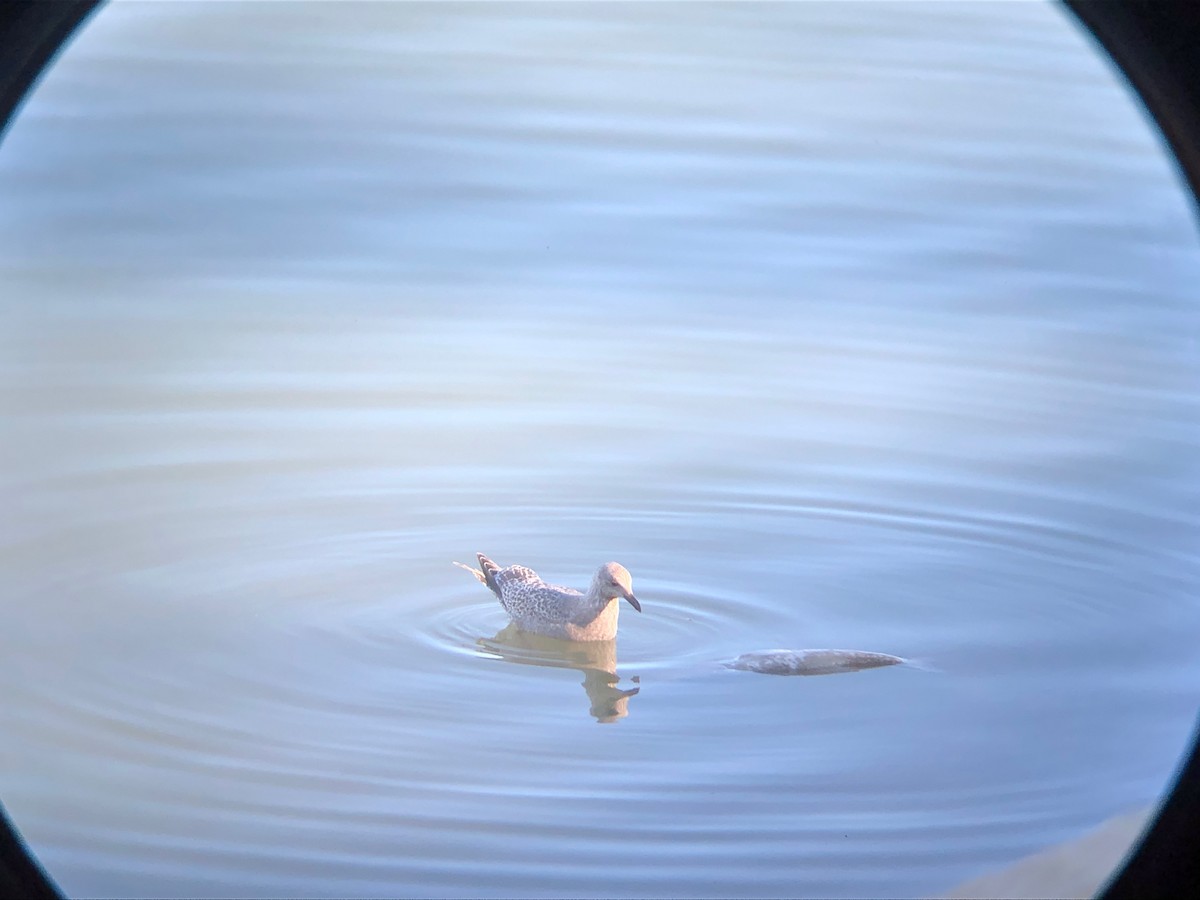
(554, 610)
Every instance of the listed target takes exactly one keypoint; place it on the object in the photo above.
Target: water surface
(839, 325)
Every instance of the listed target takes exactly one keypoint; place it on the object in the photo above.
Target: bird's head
(614, 581)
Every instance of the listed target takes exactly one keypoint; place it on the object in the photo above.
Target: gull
(556, 611)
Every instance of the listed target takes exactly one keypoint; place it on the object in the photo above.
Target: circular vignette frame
(1156, 46)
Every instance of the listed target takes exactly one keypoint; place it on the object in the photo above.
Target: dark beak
(633, 601)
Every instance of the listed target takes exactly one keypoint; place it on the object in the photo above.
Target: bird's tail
(474, 572)
(489, 573)
(487, 576)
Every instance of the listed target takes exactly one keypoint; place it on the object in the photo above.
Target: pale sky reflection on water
(840, 325)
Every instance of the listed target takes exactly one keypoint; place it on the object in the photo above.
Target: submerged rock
(811, 662)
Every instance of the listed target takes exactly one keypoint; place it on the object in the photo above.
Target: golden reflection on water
(597, 660)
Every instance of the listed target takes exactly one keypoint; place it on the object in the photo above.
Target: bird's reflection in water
(597, 660)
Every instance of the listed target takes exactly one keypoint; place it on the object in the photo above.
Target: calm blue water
(840, 325)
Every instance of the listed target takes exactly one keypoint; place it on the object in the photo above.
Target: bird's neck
(595, 598)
